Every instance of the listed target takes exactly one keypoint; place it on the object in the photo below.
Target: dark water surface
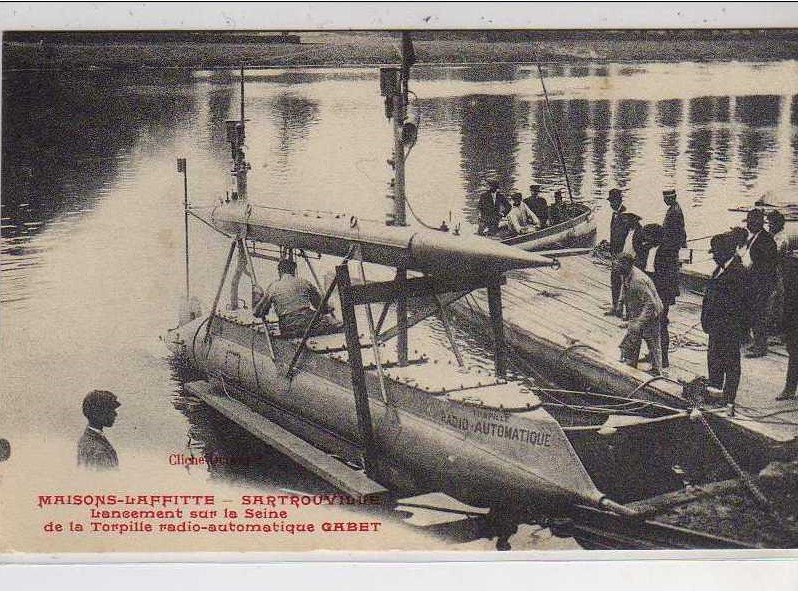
(92, 205)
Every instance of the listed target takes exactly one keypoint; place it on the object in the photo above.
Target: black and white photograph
(462, 290)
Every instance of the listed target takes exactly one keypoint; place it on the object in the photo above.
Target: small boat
(767, 203)
(578, 230)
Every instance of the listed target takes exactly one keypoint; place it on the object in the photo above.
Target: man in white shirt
(520, 218)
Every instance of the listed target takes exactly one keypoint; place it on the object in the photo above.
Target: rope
(758, 496)
(681, 340)
(415, 217)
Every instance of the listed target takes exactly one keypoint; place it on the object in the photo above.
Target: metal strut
(230, 253)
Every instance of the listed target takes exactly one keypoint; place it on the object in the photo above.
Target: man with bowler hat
(763, 256)
(618, 233)
(94, 450)
(493, 206)
(725, 319)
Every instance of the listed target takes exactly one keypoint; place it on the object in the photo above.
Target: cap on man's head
(99, 400)
(630, 218)
(669, 193)
(723, 244)
(652, 232)
(286, 266)
(534, 188)
(627, 257)
(774, 215)
(516, 197)
(737, 235)
(615, 195)
(755, 214)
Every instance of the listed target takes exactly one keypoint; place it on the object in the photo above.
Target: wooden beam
(497, 324)
(338, 474)
(416, 287)
(356, 362)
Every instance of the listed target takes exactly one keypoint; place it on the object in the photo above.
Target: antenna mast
(236, 134)
(555, 138)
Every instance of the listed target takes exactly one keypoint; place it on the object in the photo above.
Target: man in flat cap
(94, 450)
(645, 308)
(725, 318)
(537, 204)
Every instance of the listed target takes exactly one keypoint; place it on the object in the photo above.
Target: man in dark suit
(665, 274)
(789, 269)
(764, 259)
(493, 206)
(725, 318)
(94, 450)
(619, 229)
(674, 236)
(538, 205)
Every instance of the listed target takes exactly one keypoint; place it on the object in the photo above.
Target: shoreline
(24, 55)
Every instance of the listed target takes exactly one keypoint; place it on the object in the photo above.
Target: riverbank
(337, 49)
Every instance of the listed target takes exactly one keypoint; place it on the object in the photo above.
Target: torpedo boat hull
(431, 433)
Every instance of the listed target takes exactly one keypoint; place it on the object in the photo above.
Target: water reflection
(489, 140)
(66, 140)
(91, 203)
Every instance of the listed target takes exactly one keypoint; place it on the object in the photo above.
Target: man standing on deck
(537, 204)
(790, 324)
(644, 308)
(296, 301)
(94, 450)
(673, 239)
(763, 257)
(725, 319)
(493, 206)
(618, 232)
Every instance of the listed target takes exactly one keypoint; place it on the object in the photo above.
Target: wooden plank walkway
(346, 479)
(556, 318)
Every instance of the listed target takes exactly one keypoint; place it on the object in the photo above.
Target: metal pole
(497, 324)
(356, 361)
(399, 213)
(401, 316)
(185, 219)
(242, 95)
(557, 145)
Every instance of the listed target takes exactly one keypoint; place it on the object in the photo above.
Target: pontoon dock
(555, 319)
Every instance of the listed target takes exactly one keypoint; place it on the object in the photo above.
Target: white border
(396, 15)
(593, 571)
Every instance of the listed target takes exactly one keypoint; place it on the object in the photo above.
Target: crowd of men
(750, 295)
(516, 214)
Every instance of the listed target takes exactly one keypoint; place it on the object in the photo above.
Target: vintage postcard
(473, 290)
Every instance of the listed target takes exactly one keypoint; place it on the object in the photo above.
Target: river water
(92, 227)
